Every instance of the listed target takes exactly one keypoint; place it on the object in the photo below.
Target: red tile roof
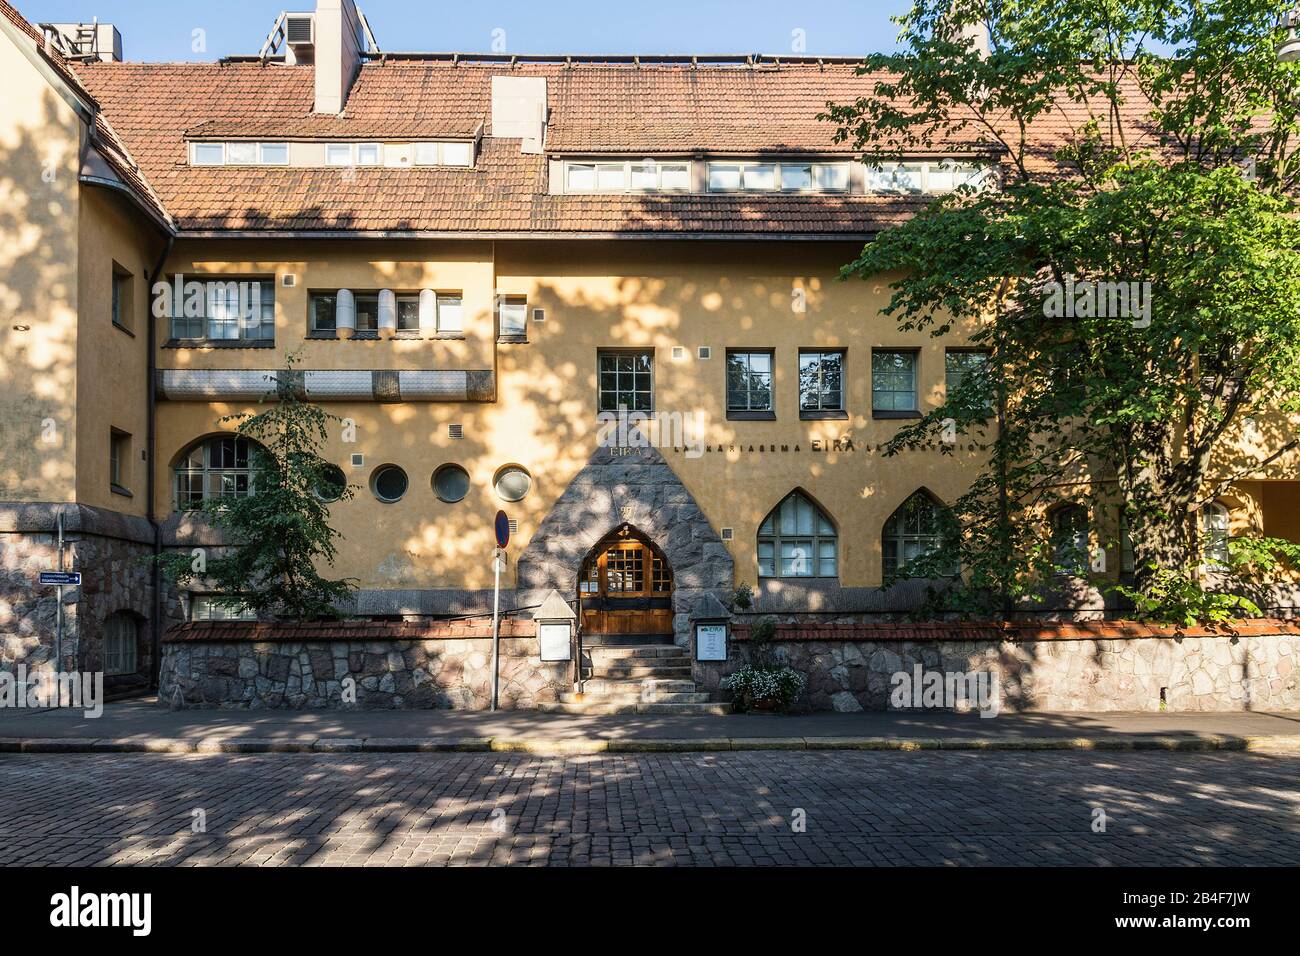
(595, 108)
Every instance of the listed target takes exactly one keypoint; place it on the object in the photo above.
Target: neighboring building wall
(39, 214)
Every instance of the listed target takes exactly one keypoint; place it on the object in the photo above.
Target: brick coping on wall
(1013, 631)
(266, 632)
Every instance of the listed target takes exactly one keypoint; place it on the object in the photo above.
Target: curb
(577, 746)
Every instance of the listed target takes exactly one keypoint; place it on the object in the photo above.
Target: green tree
(279, 534)
(1137, 141)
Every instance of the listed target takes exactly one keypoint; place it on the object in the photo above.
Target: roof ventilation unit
(299, 29)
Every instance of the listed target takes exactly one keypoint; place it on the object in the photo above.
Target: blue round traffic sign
(502, 529)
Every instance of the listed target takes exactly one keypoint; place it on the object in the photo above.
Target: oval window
(513, 483)
(451, 483)
(331, 483)
(389, 483)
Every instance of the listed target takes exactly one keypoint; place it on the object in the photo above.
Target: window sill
(825, 414)
(738, 416)
(513, 339)
(122, 328)
(119, 490)
(887, 414)
(218, 344)
(448, 336)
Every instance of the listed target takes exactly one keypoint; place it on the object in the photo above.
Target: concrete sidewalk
(144, 726)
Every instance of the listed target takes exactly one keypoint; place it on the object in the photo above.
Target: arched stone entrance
(625, 587)
(634, 487)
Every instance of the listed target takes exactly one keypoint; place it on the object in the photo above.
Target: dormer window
(239, 153)
(645, 175)
(807, 177)
(939, 176)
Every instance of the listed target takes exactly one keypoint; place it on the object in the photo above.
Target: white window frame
(261, 154)
(379, 153)
(512, 302)
(980, 171)
(818, 172)
(596, 165)
(1214, 540)
(351, 158)
(194, 154)
(450, 312)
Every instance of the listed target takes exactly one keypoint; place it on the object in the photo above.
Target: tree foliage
(278, 535)
(1139, 142)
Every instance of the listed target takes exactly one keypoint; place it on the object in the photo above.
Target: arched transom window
(911, 532)
(213, 469)
(797, 540)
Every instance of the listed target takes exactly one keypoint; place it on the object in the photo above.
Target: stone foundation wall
(109, 549)
(1258, 670)
(226, 666)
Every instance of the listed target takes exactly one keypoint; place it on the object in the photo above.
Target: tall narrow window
(749, 382)
(120, 633)
(1215, 531)
(1070, 538)
(797, 540)
(123, 309)
(967, 372)
(626, 380)
(893, 382)
(119, 460)
(821, 383)
(450, 313)
(913, 531)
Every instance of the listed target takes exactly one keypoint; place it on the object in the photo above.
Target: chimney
(519, 110)
(338, 44)
(977, 35)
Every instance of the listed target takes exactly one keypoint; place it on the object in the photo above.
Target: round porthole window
(513, 483)
(388, 483)
(331, 483)
(451, 483)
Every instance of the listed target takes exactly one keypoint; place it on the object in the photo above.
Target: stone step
(602, 708)
(619, 652)
(691, 697)
(609, 685)
(679, 671)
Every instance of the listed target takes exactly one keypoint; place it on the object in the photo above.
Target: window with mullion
(893, 381)
(625, 380)
(749, 381)
(230, 310)
(796, 540)
(821, 381)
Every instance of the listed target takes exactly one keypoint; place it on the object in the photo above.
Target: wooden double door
(626, 587)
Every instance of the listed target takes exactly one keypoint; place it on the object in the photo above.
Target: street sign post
(502, 529)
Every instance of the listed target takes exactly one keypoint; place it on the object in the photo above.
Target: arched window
(213, 469)
(797, 541)
(120, 633)
(912, 531)
(1215, 530)
(1070, 538)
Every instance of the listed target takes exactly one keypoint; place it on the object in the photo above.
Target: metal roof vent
(299, 29)
(455, 431)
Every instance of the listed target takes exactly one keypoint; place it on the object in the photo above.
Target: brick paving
(711, 809)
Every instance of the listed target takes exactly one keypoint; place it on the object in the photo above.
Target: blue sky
(162, 29)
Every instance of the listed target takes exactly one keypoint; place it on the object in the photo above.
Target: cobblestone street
(686, 809)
